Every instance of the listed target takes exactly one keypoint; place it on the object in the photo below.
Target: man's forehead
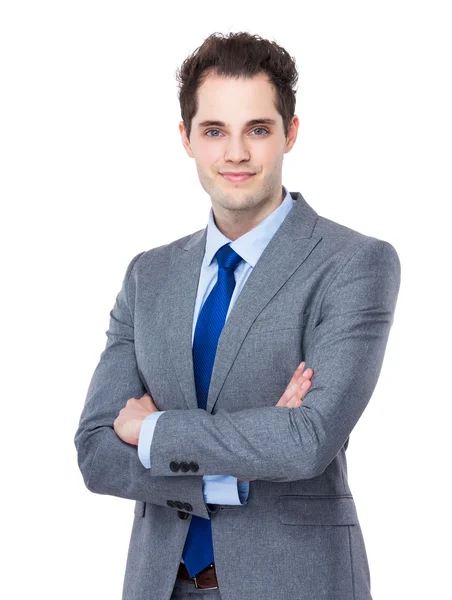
(246, 104)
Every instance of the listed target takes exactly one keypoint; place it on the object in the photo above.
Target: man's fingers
(297, 373)
(288, 393)
(300, 374)
(297, 398)
(295, 393)
(296, 381)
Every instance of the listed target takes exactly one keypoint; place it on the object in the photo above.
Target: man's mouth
(237, 177)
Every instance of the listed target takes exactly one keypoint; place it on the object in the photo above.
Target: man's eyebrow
(247, 124)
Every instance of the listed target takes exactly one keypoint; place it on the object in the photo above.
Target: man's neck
(235, 223)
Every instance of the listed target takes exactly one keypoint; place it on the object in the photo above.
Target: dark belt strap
(205, 580)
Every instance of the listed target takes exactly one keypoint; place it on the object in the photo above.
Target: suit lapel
(286, 251)
(181, 293)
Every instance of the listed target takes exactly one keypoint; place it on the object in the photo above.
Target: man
(270, 307)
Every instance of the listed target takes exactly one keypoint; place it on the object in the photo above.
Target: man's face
(237, 145)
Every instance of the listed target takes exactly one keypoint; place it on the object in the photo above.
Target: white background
(93, 171)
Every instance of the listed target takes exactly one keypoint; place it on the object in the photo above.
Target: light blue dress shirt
(222, 489)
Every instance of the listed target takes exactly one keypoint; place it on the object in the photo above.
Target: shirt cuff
(145, 438)
(224, 489)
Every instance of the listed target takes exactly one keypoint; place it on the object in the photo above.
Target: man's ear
(185, 140)
(292, 133)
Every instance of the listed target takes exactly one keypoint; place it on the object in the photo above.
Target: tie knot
(227, 257)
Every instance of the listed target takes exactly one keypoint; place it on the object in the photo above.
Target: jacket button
(178, 504)
(193, 466)
(182, 515)
(170, 503)
(174, 466)
(187, 506)
(184, 467)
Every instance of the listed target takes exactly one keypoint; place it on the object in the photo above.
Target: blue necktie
(198, 549)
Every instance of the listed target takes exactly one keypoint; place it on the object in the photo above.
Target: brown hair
(238, 55)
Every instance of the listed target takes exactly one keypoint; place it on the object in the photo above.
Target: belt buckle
(195, 581)
(215, 587)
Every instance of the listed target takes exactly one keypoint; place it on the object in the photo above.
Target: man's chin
(238, 202)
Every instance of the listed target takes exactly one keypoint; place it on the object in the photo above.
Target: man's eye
(261, 128)
(210, 131)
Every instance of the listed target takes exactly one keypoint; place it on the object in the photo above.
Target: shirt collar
(252, 243)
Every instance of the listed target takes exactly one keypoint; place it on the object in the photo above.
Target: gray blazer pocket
(277, 323)
(317, 510)
(140, 508)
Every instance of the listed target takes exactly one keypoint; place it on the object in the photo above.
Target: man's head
(227, 86)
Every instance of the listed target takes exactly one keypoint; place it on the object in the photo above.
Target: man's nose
(236, 150)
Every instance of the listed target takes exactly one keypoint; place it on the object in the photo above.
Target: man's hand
(127, 424)
(294, 392)
(297, 387)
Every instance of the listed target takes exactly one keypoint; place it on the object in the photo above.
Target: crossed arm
(346, 353)
(134, 426)
(129, 422)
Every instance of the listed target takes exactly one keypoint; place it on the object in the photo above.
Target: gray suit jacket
(320, 292)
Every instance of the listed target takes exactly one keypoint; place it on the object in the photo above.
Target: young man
(209, 338)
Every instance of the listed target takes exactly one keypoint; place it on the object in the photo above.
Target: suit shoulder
(345, 240)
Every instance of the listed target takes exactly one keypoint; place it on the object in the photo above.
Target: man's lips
(234, 177)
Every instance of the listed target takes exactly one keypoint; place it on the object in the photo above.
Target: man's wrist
(145, 437)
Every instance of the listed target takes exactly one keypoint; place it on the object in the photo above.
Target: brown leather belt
(205, 580)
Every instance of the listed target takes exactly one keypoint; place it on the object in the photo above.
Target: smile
(237, 178)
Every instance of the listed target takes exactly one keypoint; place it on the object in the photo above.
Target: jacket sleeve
(108, 464)
(345, 351)
(217, 489)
